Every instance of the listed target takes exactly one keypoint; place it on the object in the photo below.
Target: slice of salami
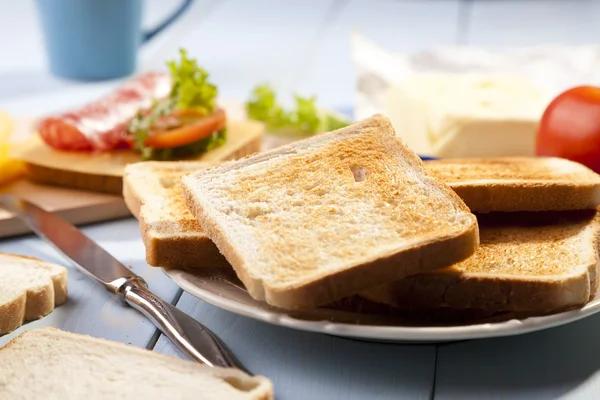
(102, 125)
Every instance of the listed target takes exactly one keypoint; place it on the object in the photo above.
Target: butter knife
(189, 335)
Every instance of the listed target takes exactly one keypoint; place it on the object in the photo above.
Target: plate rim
(401, 334)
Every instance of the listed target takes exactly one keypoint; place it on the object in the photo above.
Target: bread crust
(188, 252)
(525, 196)
(35, 302)
(537, 184)
(428, 254)
(493, 293)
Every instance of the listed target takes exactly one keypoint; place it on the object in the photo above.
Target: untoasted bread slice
(172, 236)
(527, 263)
(51, 364)
(29, 289)
(519, 183)
(320, 219)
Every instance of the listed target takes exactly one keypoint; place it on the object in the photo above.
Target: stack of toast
(355, 214)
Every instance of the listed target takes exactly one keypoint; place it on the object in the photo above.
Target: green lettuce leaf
(305, 118)
(190, 90)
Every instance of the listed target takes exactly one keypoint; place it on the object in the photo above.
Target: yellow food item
(9, 169)
(466, 115)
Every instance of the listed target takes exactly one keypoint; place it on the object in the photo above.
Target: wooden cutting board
(77, 206)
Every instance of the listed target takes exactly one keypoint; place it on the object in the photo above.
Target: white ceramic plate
(222, 289)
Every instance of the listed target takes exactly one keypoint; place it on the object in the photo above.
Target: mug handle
(150, 33)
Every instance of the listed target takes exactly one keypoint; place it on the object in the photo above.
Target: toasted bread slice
(320, 219)
(51, 364)
(29, 289)
(172, 236)
(104, 172)
(519, 183)
(527, 263)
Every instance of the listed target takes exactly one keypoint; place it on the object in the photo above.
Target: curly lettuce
(191, 90)
(303, 119)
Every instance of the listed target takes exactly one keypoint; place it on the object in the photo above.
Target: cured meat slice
(102, 125)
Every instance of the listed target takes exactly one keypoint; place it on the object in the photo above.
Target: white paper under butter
(461, 102)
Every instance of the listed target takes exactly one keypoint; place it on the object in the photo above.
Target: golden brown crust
(519, 183)
(166, 244)
(526, 196)
(501, 290)
(179, 251)
(172, 251)
(490, 295)
(429, 253)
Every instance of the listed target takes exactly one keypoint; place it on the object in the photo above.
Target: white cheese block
(466, 115)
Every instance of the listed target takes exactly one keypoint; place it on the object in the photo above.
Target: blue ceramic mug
(95, 39)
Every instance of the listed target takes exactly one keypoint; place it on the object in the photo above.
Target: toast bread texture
(171, 235)
(527, 264)
(519, 183)
(52, 364)
(29, 289)
(323, 218)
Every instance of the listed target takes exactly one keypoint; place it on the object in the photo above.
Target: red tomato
(570, 127)
(189, 133)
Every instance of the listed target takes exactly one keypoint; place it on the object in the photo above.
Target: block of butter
(466, 115)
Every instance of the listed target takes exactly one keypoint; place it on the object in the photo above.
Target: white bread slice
(519, 183)
(29, 289)
(51, 364)
(323, 218)
(527, 263)
(171, 234)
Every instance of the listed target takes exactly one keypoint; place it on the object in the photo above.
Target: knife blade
(189, 335)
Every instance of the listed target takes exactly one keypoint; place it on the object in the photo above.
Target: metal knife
(186, 333)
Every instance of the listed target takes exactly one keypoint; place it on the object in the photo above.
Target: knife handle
(189, 335)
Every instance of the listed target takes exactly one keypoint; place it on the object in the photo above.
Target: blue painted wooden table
(304, 46)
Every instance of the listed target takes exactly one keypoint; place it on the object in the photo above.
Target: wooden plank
(305, 365)
(516, 23)
(76, 206)
(90, 309)
(399, 26)
(561, 362)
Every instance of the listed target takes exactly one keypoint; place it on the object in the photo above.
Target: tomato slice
(188, 133)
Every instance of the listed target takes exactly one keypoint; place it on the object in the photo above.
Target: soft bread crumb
(52, 364)
(536, 169)
(29, 290)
